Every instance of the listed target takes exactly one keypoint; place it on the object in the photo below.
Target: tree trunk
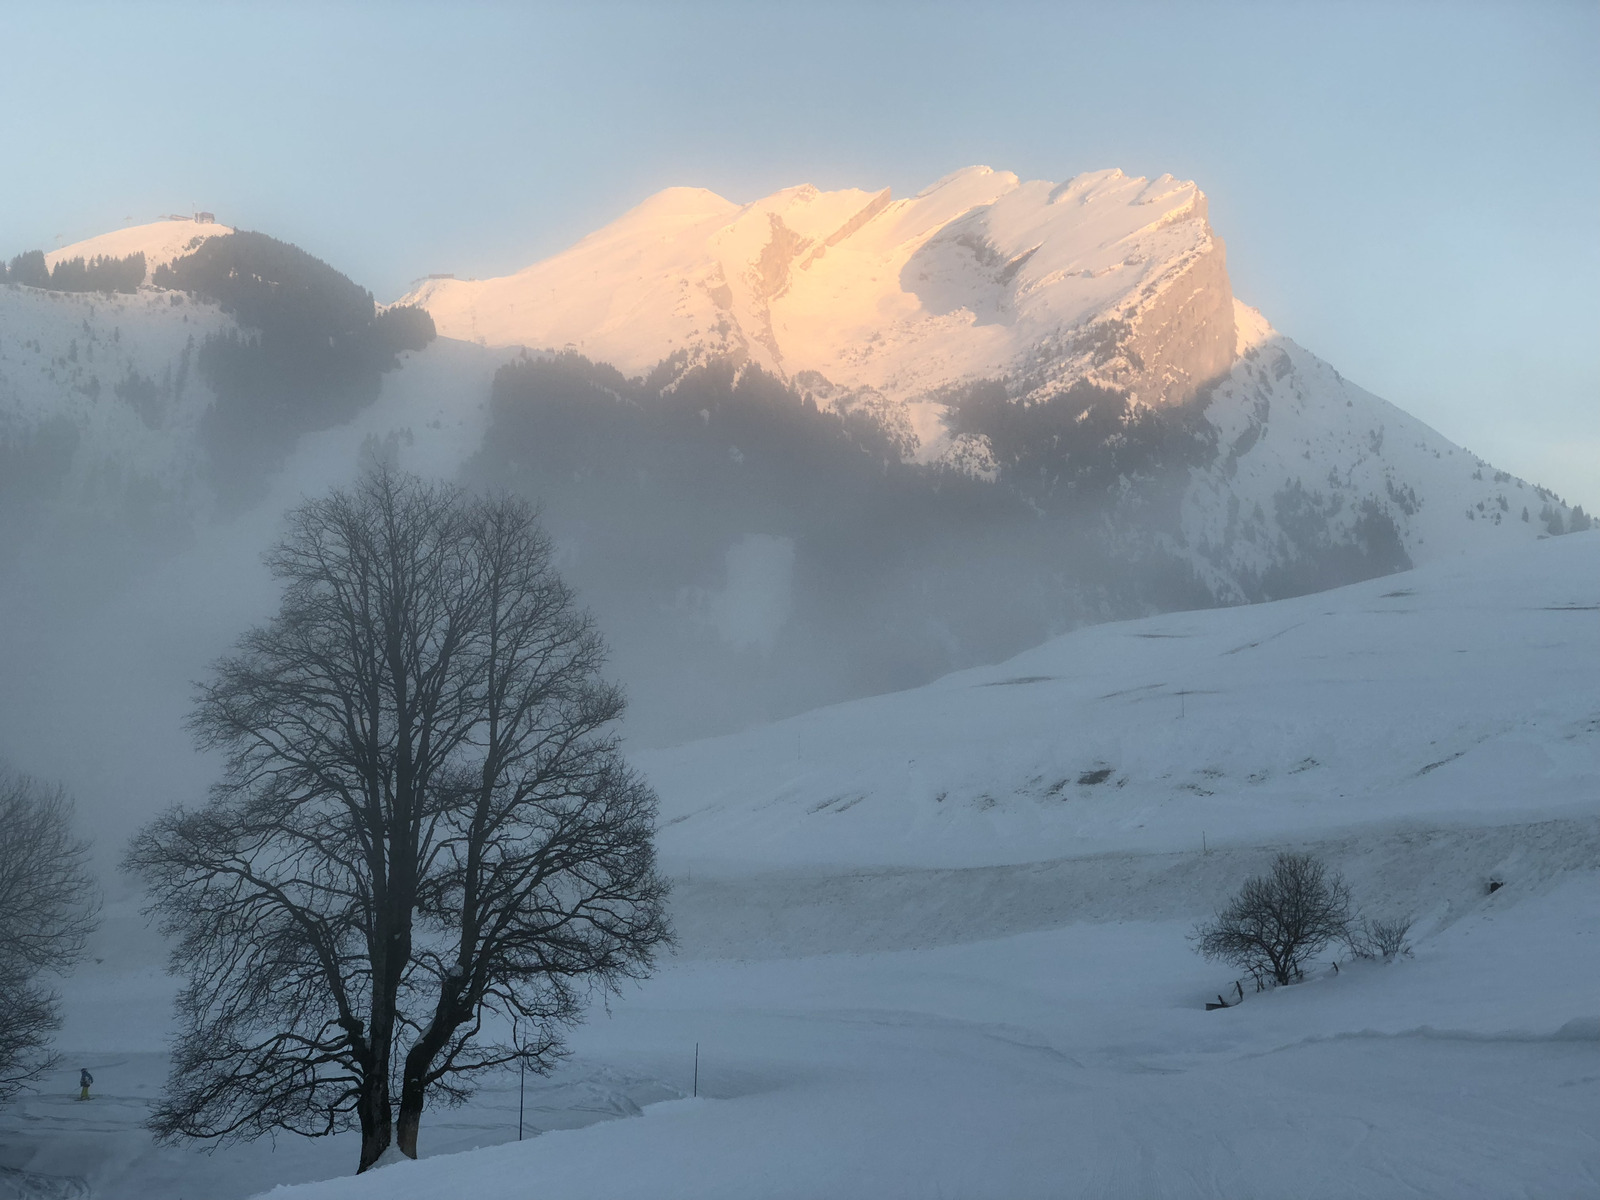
(376, 1117)
(373, 1105)
(413, 1084)
(412, 1095)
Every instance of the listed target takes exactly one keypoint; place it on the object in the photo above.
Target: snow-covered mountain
(1307, 460)
(886, 307)
(979, 276)
(105, 397)
(892, 438)
(865, 301)
(100, 396)
(101, 404)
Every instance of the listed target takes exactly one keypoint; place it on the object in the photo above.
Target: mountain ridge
(767, 537)
(977, 276)
(896, 310)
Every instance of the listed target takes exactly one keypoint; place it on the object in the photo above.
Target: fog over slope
(854, 443)
(949, 516)
(937, 940)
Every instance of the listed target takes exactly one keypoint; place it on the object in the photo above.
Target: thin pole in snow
(522, 1076)
(1203, 849)
(697, 1069)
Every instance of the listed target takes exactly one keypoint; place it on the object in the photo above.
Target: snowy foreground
(934, 943)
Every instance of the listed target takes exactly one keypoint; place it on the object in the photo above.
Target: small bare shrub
(1386, 940)
(1280, 920)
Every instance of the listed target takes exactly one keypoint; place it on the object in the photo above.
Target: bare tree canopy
(425, 835)
(1280, 920)
(48, 904)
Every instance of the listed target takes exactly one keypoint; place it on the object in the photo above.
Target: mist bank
(752, 545)
(752, 554)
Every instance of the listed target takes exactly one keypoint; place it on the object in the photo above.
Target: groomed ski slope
(919, 964)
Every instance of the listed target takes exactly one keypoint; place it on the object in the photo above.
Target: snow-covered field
(923, 954)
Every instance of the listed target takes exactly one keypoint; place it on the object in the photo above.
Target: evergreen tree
(28, 269)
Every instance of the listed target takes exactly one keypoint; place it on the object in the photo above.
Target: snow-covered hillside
(100, 395)
(1455, 693)
(1045, 832)
(1305, 457)
(103, 402)
(159, 241)
(934, 943)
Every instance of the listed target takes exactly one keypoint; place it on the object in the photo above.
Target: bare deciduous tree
(48, 904)
(1279, 920)
(425, 835)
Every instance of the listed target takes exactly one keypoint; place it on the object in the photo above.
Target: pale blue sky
(1411, 191)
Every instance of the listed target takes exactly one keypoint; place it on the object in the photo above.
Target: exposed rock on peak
(1115, 280)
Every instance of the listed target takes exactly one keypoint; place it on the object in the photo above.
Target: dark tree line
(1313, 560)
(310, 352)
(901, 571)
(1071, 448)
(425, 838)
(101, 273)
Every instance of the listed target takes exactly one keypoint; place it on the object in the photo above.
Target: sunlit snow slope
(981, 275)
(159, 241)
(936, 943)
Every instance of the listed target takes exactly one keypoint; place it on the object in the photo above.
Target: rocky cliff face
(1184, 339)
(1115, 280)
